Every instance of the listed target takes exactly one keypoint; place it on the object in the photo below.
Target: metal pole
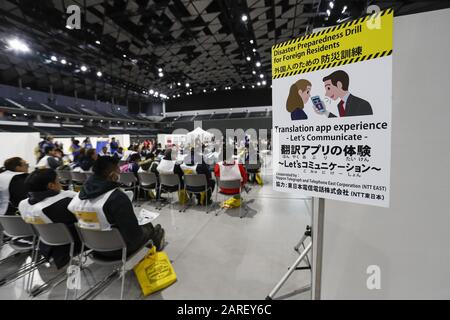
(317, 252)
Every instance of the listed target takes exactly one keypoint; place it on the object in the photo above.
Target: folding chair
(169, 183)
(232, 184)
(128, 181)
(147, 182)
(16, 228)
(53, 234)
(104, 241)
(194, 181)
(253, 168)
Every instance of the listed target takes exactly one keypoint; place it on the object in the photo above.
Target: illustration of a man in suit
(336, 87)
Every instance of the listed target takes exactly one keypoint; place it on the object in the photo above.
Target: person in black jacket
(88, 160)
(17, 170)
(118, 208)
(197, 165)
(45, 193)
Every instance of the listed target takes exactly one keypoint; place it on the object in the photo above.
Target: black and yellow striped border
(338, 27)
(334, 64)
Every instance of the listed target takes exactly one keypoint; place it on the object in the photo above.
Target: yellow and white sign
(332, 100)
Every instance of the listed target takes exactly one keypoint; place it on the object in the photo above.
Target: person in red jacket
(231, 170)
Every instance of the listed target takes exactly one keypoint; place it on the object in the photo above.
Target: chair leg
(70, 263)
(34, 258)
(124, 261)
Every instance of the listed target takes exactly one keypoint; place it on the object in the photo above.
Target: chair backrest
(253, 166)
(54, 234)
(102, 241)
(79, 177)
(147, 178)
(127, 178)
(169, 180)
(64, 175)
(14, 226)
(195, 180)
(232, 184)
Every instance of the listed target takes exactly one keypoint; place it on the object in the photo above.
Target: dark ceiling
(201, 42)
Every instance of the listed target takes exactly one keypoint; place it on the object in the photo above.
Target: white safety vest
(34, 213)
(189, 169)
(5, 180)
(89, 212)
(230, 172)
(43, 163)
(166, 166)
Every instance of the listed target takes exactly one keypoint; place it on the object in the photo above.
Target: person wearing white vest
(102, 205)
(49, 160)
(195, 164)
(231, 170)
(12, 185)
(47, 203)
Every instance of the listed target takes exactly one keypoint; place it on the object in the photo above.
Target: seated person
(12, 185)
(169, 166)
(102, 195)
(118, 154)
(47, 203)
(104, 152)
(88, 160)
(231, 170)
(132, 164)
(49, 161)
(191, 166)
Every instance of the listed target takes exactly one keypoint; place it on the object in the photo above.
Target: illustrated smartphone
(318, 104)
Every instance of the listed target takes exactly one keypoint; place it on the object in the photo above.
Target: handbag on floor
(154, 272)
(259, 179)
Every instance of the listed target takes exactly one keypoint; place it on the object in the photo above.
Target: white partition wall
(123, 139)
(409, 241)
(15, 144)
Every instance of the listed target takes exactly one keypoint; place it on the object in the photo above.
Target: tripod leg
(288, 274)
(300, 242)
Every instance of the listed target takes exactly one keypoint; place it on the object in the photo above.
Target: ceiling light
(69, 27)
(178, 95)
(83, 68)
(187, 85)
(14, 115)
(258, 64)
(254, 50)
(251, 41)
(254, 72)
(99, 74)
(343, 9)
(161, 74)
(101, 120)
(160, 70)
(97, 42)
(244, 17)
(249, 59)
(215, 89)
(178, 84)
(261, 76)
(174, 96)
(258, 84)
(25, 114)
(204, 90)
(56, 117)
(243, 87)
(18, 45)
(331, 4)
(328, 12)
(152, 91)
(53, 58)
(124, 55)
(264, 82)
(63, 61)
(253, 87)
(81, 119)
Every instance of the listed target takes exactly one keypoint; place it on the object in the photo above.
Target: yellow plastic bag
(259, 179)
(154, 272)
(231, 203)
(182, 196)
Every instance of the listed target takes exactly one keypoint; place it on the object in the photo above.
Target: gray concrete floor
(215, 257)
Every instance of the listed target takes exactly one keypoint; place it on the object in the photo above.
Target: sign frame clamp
(315, 264)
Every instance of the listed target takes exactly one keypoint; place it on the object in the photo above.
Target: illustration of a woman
(299, 94)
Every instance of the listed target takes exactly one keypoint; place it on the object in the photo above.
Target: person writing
(101, 195)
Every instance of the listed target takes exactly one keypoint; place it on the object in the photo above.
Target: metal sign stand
(316, 266)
